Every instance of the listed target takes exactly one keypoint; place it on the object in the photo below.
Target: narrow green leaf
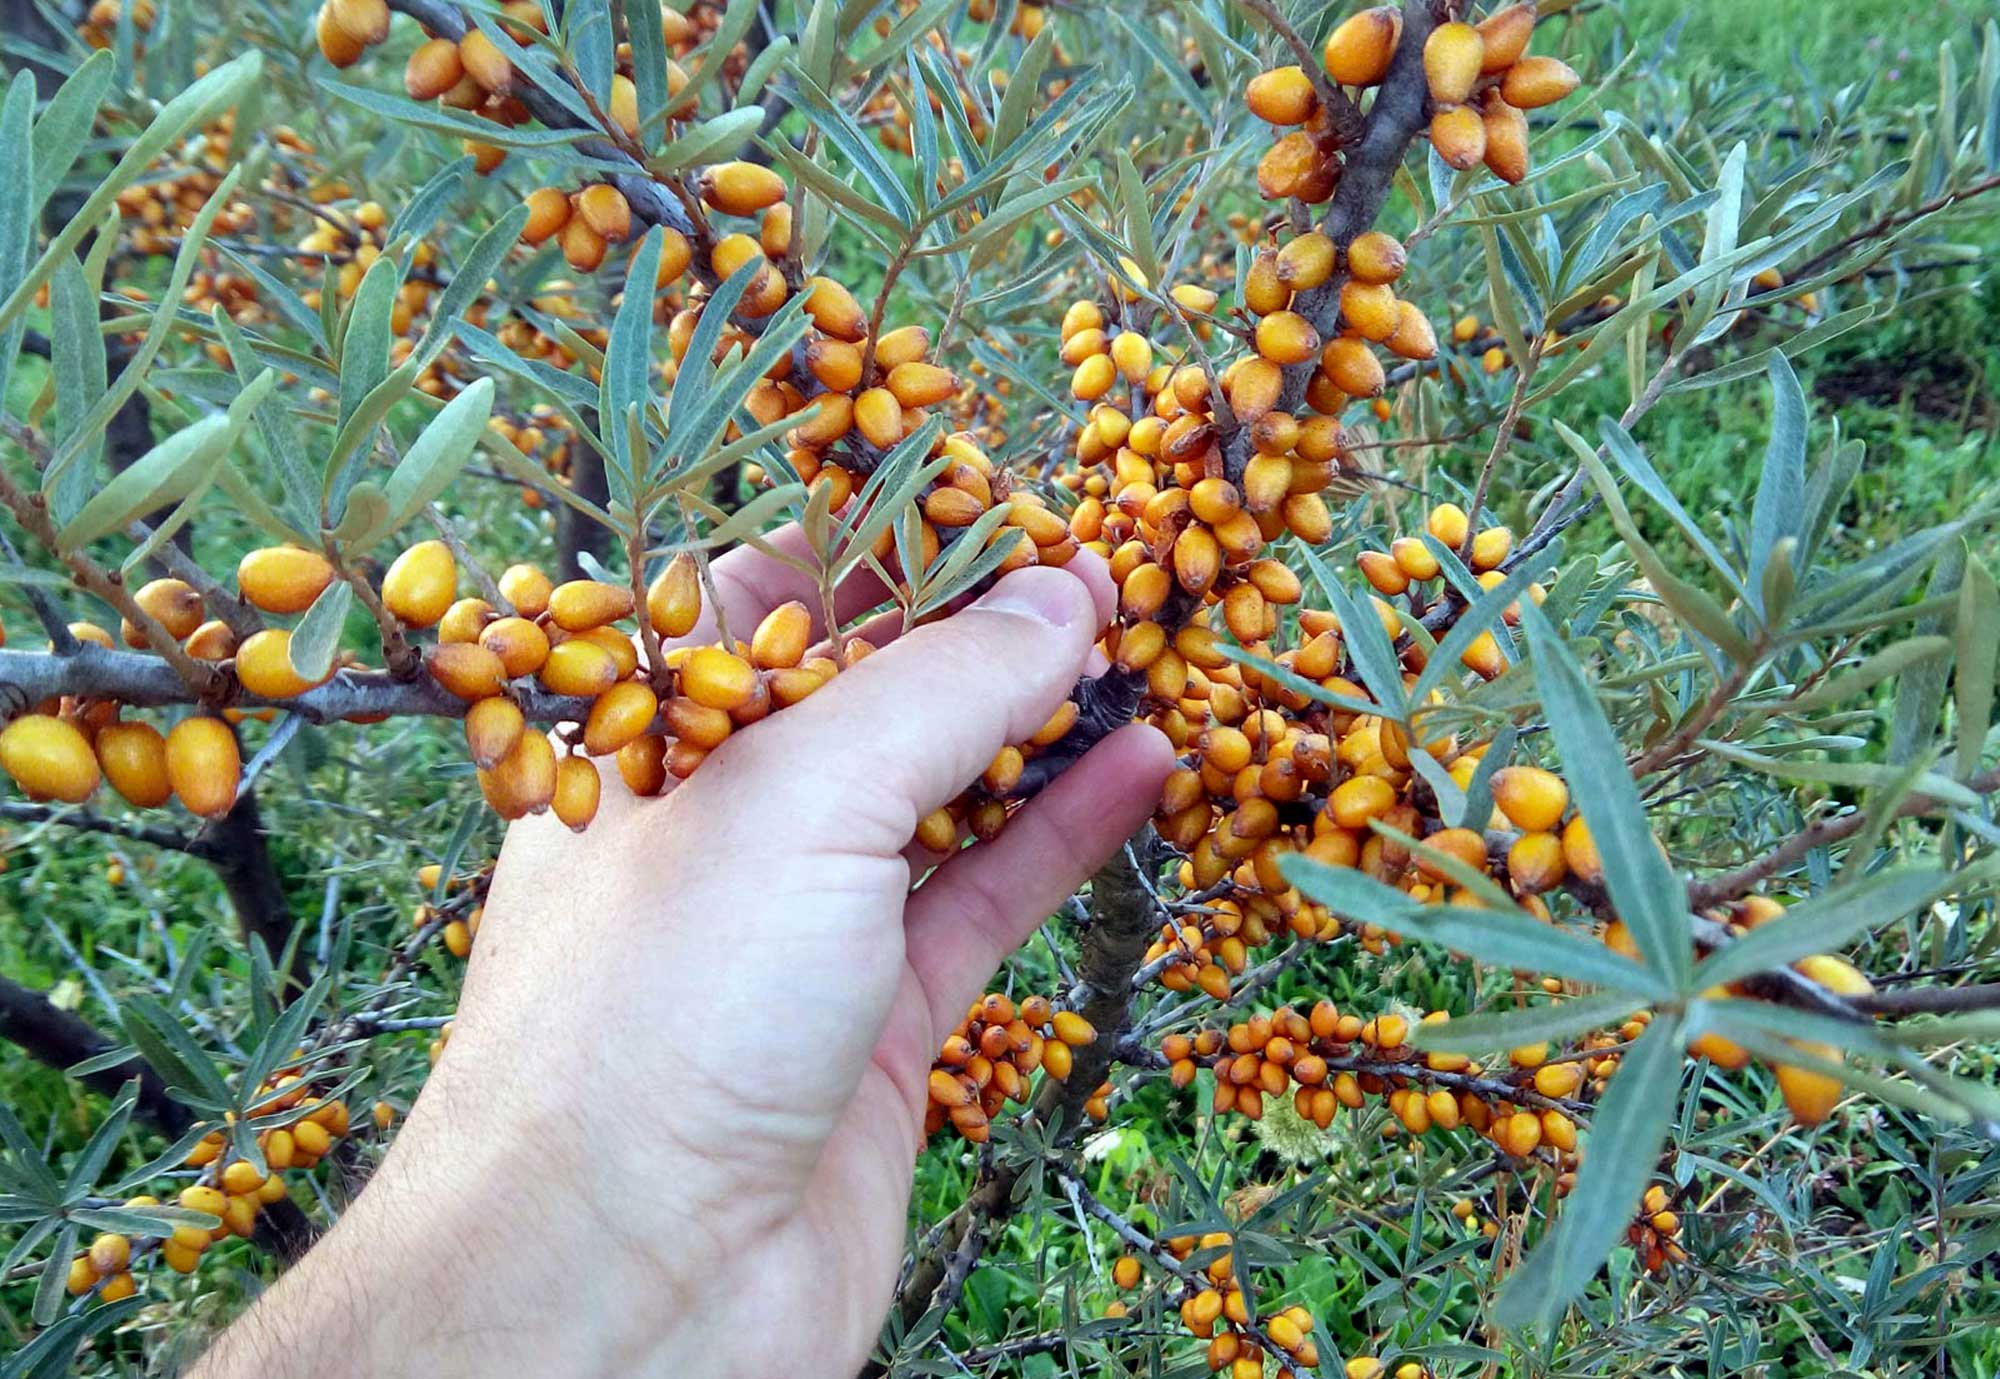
(1694, 607)
(1866, 774)
(628, 361)
(1138, 211)
(649, 62)
(1778, 506)
(100, 413)
(435, 459)
(1509, 938)
(1368, 644)
(365, 337)
(1506, 1029)
(101, 1146)
(707, 141)
(78, 363)
(316, 640)
(1979, 640)
(283, 451)
(1024, 88)
(1479, 617)
(351, 443)
(1826, 923)
(49, 1286)
(198, 105)
(161, 477)
(1626, 1132)
(821, 180)
(859, 148)
(1644, 890)
(454, 124)
(17, 215)
(422, 210)
(65, 125)
(1885, 664)
(469, 281)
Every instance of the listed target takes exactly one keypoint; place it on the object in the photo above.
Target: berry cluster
(231, 1187)
(1334, 1060)
(992, 1055)
(1656, 1232)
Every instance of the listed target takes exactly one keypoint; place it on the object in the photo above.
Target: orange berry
(432, 70)
(283, 579)
(1452, 57)
(1537, 81)
(204, 766)
(548, 207)
(578, 666)
(718, 679)
(604, 208)
(1504, 37)
(49, 757)
(1459, 136)
(134, 759)
(741, 188)
(582, 604)
(492, 727)
(1283, 96)
(576, 792)
(1375, 257)
(467, 669)
(521, 645)
(1358, 51)
(421, 583)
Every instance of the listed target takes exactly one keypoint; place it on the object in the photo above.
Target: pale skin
(675, 1128)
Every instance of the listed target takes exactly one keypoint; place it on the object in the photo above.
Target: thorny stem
(649, 636)
(403, 660)
(1502, 438)
(1562, 509)
(1164, 1259)
(1892, 221)
(951, 317)
(449, 533)
(708, 586)
(62, 641)
(1711, 709)
(85, 821)
(880, 310)
(145, 681)
(1122, 915)
(1369, 172)
(1794, 850)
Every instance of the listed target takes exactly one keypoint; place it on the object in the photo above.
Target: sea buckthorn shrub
(1567, 932)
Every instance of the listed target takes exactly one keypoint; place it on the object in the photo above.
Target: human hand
(675, 1127)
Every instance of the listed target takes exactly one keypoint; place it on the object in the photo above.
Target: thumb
(859, 763)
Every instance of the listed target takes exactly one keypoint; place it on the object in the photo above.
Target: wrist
(473, 1253)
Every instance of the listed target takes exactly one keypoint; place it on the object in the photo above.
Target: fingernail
(1048, 596)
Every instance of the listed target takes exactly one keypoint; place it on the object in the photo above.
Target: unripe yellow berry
(1359, 50)
(49, 757)
(421, 583)
(204, 765)
(1283, 96)
(1452, 57)
(283, 579)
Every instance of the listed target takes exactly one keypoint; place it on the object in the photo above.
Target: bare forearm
(447, 1264)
